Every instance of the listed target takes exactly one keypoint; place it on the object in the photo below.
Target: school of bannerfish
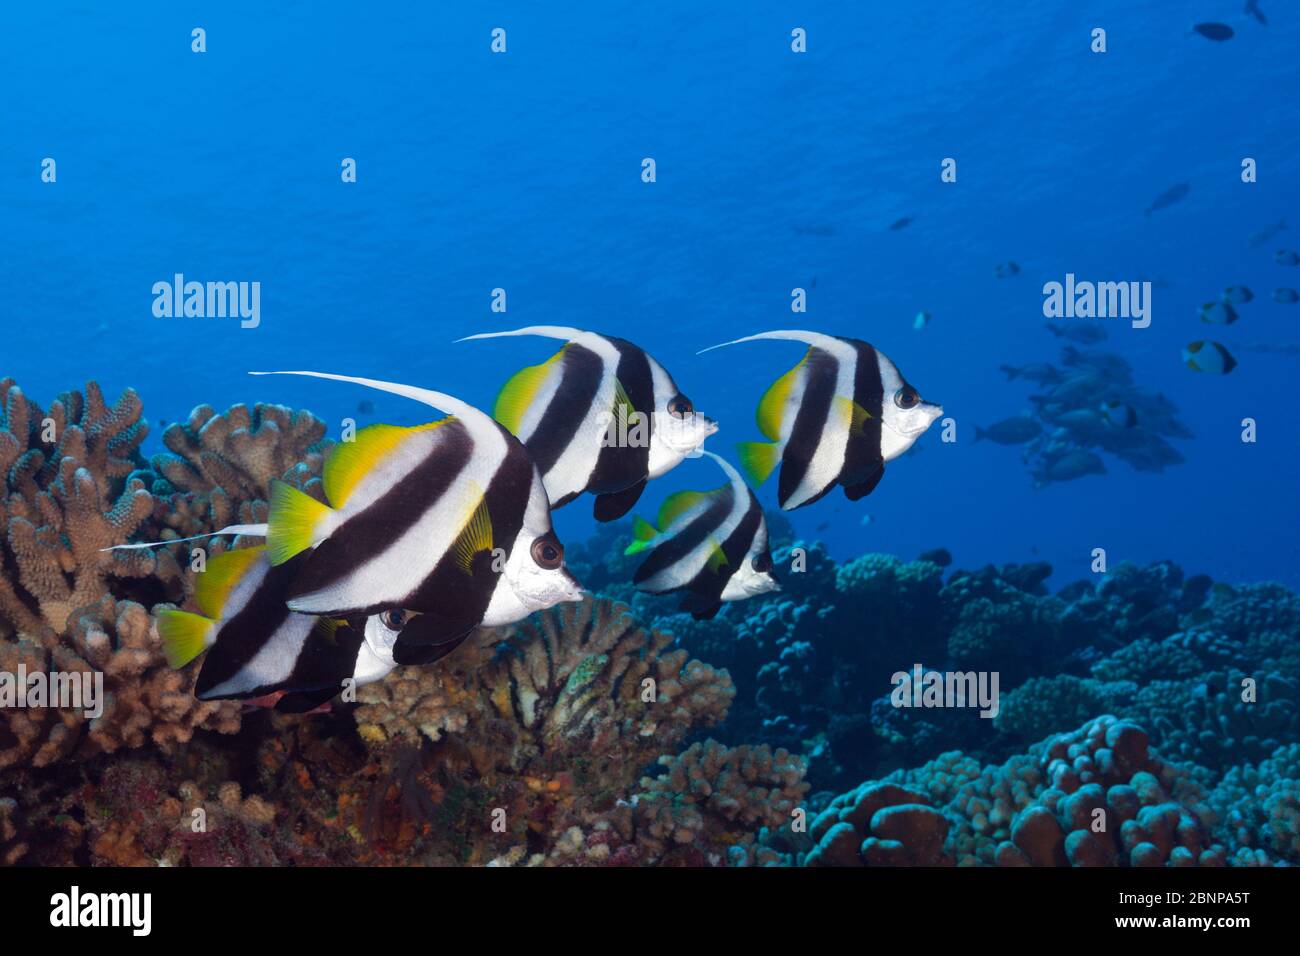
(428, 532)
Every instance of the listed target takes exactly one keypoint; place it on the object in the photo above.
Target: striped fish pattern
(255, 644)
(711, 546)
(449, 521)
(834, 419)
(599, 416)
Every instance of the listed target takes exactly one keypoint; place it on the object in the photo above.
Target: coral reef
(75, 485)
(577, 736)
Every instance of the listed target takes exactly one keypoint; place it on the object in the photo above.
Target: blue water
(522, 171)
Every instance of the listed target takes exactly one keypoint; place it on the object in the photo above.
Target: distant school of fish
(424, 533)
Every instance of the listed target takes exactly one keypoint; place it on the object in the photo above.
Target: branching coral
(69, 493)
(219, 468)
(76, 485)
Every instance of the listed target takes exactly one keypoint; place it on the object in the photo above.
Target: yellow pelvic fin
(293, 519)
(223, 571)
(326, 628)
(350, 461)
(758, 460)
(521, 390)
(475, 535)
(644, 533)
(677, 504)
(855, 416)
(184, 635)
(623, 408)
(717, 557)
(772, 406)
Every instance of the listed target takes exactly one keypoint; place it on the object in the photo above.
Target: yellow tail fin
(758, 460)
(292, 522)
(184, 635)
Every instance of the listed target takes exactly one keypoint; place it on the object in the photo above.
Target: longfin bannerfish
(711, 546)
(600, 416)
(448, 520)
(255, 644)
(835, 418)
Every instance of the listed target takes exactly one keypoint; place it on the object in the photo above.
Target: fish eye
(395, 619)
(906, 397)
(762, 563)
(680, 406)
(548, 553)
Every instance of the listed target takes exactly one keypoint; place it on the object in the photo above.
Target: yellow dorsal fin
(212, 588)
(758, 460)
(677, 504)
(521, 390)
(772, 406)
(184, 635)
(475, 535)
(717, 557)
(292, 521)
(350, 461)
(855, 416)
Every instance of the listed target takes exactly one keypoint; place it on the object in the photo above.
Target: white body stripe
(393, 574)
(828, 459)
(274, 660)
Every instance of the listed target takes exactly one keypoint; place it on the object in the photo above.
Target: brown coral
(582, 680)
(218, 468)
(69, 493)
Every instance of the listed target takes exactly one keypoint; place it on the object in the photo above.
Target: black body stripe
(690, 539)
(709, 585)
(809, 422)
(244, 634)
(325, 661)
(619, 466)
(862, 457)
(373, 529)
(581, 370)
(463, 598)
